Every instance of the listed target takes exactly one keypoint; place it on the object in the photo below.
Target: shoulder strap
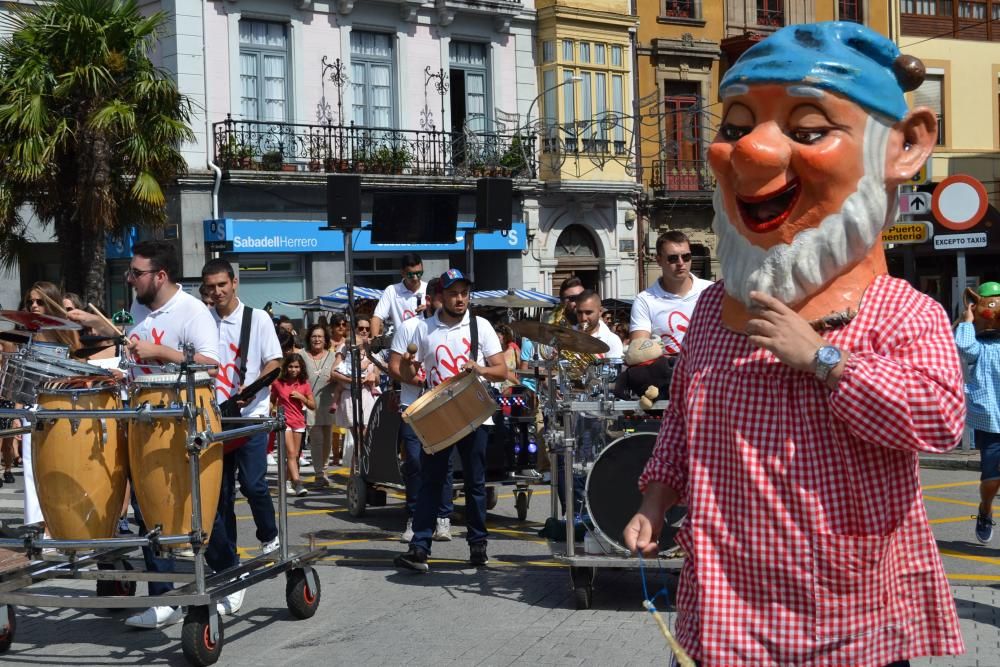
(474, 347)
(245, 341)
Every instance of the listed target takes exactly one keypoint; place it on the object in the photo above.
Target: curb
(950, 462)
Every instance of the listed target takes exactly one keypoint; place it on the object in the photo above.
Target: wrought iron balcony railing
(774, 18)
(685, 176)
(685, 9)
(262, 145)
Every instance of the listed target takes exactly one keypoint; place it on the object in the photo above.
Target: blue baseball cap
(838, 56)
(452, 276)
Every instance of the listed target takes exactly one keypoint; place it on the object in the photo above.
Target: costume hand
(641, 536)
(783, 332)
(970, 313)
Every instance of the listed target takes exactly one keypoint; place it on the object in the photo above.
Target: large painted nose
(760, 161)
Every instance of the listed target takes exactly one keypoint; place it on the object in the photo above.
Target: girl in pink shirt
(292, 391)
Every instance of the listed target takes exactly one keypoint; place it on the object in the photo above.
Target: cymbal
(14, 337)
(563, 338)
(35, 322)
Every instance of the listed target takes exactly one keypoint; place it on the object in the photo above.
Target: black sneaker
(984, 528)
(8, 477)
(415, 559)
(477, 554)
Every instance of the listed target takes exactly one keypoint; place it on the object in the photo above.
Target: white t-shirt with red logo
(604, 334)
(399, 304)
(443, 350)
(264, 347)
(182, 320)
(400, 341)
(665, 314)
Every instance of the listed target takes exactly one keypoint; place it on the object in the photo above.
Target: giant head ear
(910, 145)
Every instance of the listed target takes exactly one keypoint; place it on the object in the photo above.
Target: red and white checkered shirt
(806, 537)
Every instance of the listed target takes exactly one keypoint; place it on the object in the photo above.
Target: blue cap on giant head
(841, 57)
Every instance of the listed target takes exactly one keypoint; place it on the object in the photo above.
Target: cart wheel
(7, 633)
(357, 496)
(301, 599)
(521, 505)
(196, 638)
(584, 594)
(491, 497)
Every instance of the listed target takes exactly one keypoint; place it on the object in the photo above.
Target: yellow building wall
(595, 22)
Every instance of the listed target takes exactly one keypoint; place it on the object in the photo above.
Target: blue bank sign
(305, 236)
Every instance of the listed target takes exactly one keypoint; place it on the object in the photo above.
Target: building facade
(586, 204)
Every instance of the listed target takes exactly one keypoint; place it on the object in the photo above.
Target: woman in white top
(369, 380)
(320, 361)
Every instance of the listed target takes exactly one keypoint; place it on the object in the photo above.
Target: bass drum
(379, 457)
(612, 490)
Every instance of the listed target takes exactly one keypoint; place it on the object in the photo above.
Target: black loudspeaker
(494, 199)
(343, 201)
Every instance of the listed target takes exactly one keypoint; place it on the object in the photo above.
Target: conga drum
(158, 456)
(80, 464)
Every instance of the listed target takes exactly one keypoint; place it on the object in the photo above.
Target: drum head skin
(613, 495)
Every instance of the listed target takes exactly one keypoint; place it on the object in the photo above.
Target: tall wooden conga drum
(158, 454)
(80, 465)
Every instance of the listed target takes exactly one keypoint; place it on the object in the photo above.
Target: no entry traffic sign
(959, 202)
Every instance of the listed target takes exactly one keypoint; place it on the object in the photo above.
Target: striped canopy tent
(335, 300)
(513, 298)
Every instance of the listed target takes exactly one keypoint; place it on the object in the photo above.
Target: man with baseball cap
(448, 343)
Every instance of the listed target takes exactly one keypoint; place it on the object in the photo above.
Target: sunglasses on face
(414, 274)
(135, 273)
(673, 259)
(364, 328)
(35, 302)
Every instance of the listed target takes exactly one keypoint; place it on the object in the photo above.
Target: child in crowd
(292, 392)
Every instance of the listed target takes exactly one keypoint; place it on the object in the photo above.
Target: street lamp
(575, 79)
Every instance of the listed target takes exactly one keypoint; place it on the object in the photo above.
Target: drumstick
(682, 657)
(53, 304)
(111, 324)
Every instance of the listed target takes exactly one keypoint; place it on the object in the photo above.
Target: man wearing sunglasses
(404, 299)
(664, 308)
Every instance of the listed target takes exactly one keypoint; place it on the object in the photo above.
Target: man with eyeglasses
(664, 308)
(404, 299)
(166, 318)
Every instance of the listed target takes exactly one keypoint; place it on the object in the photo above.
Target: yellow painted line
(952, 519)
(950, 485)
(951, 501)
(332, 510)
(974, 577)
(443, 561)
(978, 559)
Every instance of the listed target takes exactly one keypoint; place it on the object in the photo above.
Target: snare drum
(80, 464)
(450, 411)
(158, 454)
(25, 372)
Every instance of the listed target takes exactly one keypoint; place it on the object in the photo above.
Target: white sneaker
(408, 533)
(156, 617)
(442, 531)
(272, 460)
(230, 604)
(289, 489)
(268, 547)
(301, 490)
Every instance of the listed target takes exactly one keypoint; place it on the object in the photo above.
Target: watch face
(828, 356)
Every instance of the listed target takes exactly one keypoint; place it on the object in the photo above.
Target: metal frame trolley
(105, 560)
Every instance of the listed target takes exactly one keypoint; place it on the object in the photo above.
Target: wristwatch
(827, 358)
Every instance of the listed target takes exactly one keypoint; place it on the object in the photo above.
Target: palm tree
(90, 129)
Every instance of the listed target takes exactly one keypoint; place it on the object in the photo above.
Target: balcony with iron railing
(270, 146)
(672, 178)
(770, 18)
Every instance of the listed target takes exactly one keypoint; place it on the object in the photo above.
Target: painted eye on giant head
(731, 132)
(807, 136)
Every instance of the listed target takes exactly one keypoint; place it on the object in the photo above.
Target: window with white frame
(931, 94)
(593, 110)
(469, 79)
(264, 70)
(372, 76)
(616, 56)
(548, 51)
(567, 50)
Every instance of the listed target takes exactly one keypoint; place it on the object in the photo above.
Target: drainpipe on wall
(208, 124)
(640, 221)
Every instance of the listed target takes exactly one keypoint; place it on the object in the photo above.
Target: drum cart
(104, 560)
(376, 466)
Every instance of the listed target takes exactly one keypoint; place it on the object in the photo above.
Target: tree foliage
(90, 129)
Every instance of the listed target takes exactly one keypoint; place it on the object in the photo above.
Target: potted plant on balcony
(271, 161)
(513, 161)
(229, 153)
(314, 157)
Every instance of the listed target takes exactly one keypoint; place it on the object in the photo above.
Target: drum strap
(245, 341)
(474, 348)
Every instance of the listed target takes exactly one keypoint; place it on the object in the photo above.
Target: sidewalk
(956, 459)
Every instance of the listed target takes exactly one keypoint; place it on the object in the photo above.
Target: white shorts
(296, 430)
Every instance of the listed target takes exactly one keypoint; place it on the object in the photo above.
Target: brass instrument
(577, 363)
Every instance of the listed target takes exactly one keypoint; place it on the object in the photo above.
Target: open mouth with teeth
(768, 212)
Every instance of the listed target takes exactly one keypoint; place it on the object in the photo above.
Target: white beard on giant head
(792, 272)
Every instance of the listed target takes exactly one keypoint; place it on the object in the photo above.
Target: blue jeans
(433, 474)
(412, 451)
(153, 563)
(250, 461)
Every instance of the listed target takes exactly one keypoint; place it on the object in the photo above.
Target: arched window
(577, 243)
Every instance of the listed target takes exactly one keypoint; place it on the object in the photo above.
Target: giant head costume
(815, 137)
